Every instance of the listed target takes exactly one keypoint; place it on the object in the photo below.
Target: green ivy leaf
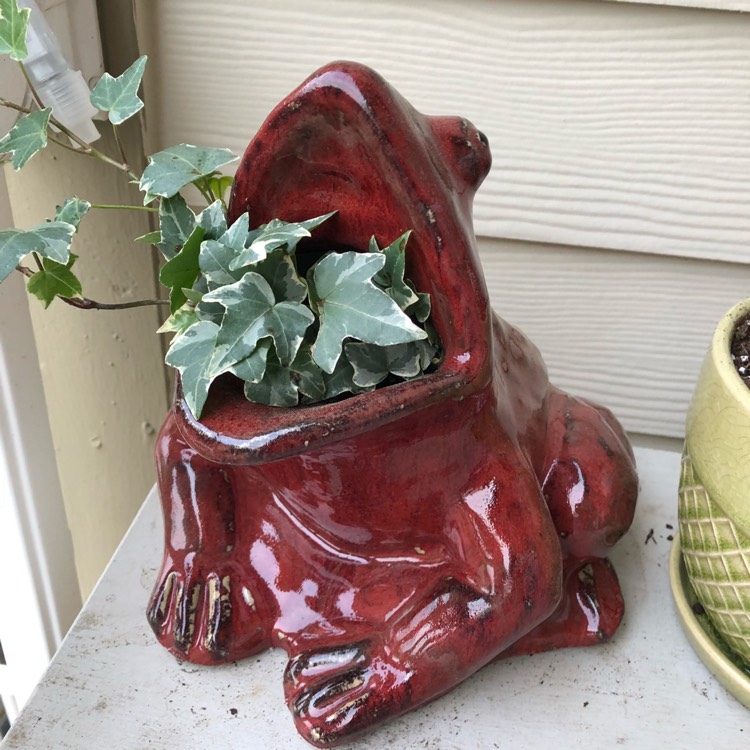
(176, 223)
(72, 211)
(14, 22)
(307, 376)
(218, 184)
(190, 353)
(252, 368)
(279, 270)
(182, 270)
(341, 380)
(372, 364)
(350, 305)
(150, 238)
(27, 137)
(55, 279)
(216, 255)
(51, 239)
(274, 235)
(180, 320)
(276, 388)
(251, 314)
(213, 220)
(171, 170)
(118, 97)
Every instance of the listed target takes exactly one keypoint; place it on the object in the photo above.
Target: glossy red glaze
(394, 542)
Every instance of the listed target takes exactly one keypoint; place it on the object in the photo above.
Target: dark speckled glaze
(395, 542)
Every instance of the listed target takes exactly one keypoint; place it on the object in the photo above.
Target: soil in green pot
(741, 349)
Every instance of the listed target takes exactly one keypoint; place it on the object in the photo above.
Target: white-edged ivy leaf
(51, 239)
(307, 376)
(212, 311)
(171, 170)
(190, 353)
(420, 309)
(391, 277)
(351, 306)
(182, 270)
(27, 137)
(274, 235)
(14, 22)
(372, 364)
(279, 270)
(176, 223)
(150, 238)
(252, 368)
(118, 97)
(216, 255)
(276, 388)
(180, 320)
(341, 380)
(72, 211)
(54, 280)
(251, 313)
(213, 220)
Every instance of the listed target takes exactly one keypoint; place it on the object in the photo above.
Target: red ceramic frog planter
(395, 542)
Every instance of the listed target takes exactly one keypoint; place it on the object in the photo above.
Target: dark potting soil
(741, 349)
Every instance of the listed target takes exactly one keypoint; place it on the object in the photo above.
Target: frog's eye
(465, 148)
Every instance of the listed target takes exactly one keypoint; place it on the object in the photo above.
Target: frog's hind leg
(590, 486)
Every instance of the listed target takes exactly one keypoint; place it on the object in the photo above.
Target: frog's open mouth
(346, 141)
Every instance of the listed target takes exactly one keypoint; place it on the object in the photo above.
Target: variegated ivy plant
(237, 300)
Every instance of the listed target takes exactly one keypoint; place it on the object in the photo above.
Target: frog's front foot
(205, 616)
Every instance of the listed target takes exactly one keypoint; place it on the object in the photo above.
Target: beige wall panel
(612, 125)
(625, 329)
(743, 5)
(102, 371)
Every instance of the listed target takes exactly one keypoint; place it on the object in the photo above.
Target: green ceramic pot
(714, 498)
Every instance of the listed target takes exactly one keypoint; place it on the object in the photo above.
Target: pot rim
(721, 352)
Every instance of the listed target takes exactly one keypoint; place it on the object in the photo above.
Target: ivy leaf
(118, 97)
(372, 364)
(350, 305)
(72, 211)
(180, 320)
(14, 22)
(341, 380)
(252, 368)
(51, 239)
(307, 376)
(190, 353)
(276, 234)
(279, 270)
(55, 279)
(27, 137)
(213, 220)
(216, 255)
(276, 388)
(183, 269)
(150, 238)
(171, 170)
(218, 184)
(176, 223)
(251, 314)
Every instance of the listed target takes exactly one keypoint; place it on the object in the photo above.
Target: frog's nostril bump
(483, 138)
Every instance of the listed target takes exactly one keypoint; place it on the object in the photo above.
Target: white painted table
(111, 686)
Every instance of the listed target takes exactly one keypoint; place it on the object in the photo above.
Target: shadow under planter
(394, 542)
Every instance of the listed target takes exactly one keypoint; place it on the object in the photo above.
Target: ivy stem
(121, 149)
(84, 303)
(125, 208)
(38, 261)
(86, 148)
(30, 84)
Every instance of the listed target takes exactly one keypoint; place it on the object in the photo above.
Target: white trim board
(730, 5)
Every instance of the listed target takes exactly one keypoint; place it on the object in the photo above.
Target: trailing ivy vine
(238, 301)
